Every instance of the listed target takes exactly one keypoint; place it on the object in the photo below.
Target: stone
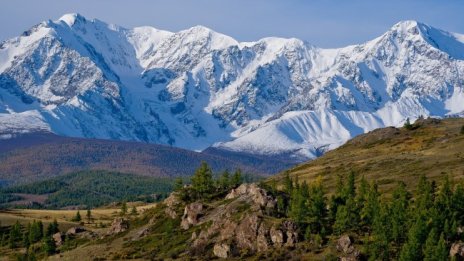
(291, 233)
(171, 203)
(191, 215)
(58, 238)
(277, 237)
(222, 250)
(457, 250)
(75, 230)
(262, 240)
(344, 244)
(258, 195)
(246, 233)
(118, 225)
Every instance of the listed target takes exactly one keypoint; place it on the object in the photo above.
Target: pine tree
(399, 208)
(202, 180)
(52, 228)
(89, 215)
(441, 251)
(371, 206)
(123, 208)
(224, 180)
(237, 178)
(298, 207)
(407, 124)
(417, 234)
(49, 246)
(134, 211)
(178, 184)
(77, 217)
(15, 235)
(288, 184)
(35, 232)
(430, 247)
(342, 220)
(316, 205)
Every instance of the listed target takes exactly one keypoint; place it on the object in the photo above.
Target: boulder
(345, 245)
(291, 233)
(277, 237)
(222, 250)
(258, 195)
(191, 215)
(75, 230)
(262, 240)
(457, 250)
(171, 203)
(58, 238)
(119, 225)
(246, 233)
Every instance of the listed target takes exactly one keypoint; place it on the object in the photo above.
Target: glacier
(197, 88)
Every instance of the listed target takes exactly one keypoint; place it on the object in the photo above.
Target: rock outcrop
(457, 250)
(58, 238)
(119, 225)
(258, 195)
(345, 245)
(192, 212)
(172, 202)
(74, 231)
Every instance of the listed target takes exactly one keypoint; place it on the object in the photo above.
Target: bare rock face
(457, 250)
(263, 243)
(277, 237)
(246, 233)
(345, 245)
(119, 225)
(171, 203)
(291, 233)
(58, 238)
(258, 195)
(222, 250)
(75, 230)
(191, 214)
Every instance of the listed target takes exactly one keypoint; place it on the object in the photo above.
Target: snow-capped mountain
(198, 88)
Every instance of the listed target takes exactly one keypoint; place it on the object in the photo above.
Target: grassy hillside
(88, 189)
(431, 147)
(39, 156)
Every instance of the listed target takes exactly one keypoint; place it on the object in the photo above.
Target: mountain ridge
(197, 88)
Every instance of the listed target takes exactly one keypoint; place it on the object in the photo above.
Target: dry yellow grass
(390, 155)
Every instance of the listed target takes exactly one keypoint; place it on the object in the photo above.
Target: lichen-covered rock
(246, 233)
(118, 225)
(263, 240)
(345, 245)
(75, 230)
(171, 203)
(277, 237)
(258, 195)
(291, 233)
(457, 250)
(222, 250)
(58, 238)
(191, 215)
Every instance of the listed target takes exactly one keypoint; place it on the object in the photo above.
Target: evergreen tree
(398, 212)
(288, 184)
(49, 246)
(77, 217)
(52, 228)
(462, 130)
(202, 180)
(316, 205)
(458, 203)
(430, 248)
(178, 184)
(15, 235)
(407, 125)
(224, 180)
(342, 220)
(134, 210)
(441, 252)
(88, 215)
(417, 234)
(35, 231)
(237, 178)
(371, 205)
(123, 208)
(298, 207)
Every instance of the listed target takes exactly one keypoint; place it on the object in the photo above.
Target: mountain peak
(71, 18)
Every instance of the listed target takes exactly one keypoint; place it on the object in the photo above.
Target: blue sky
(325, 23)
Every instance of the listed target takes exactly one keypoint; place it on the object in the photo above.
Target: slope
(37, 156)
(433, 148)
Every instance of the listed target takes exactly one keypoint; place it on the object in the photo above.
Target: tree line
(401, 226)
